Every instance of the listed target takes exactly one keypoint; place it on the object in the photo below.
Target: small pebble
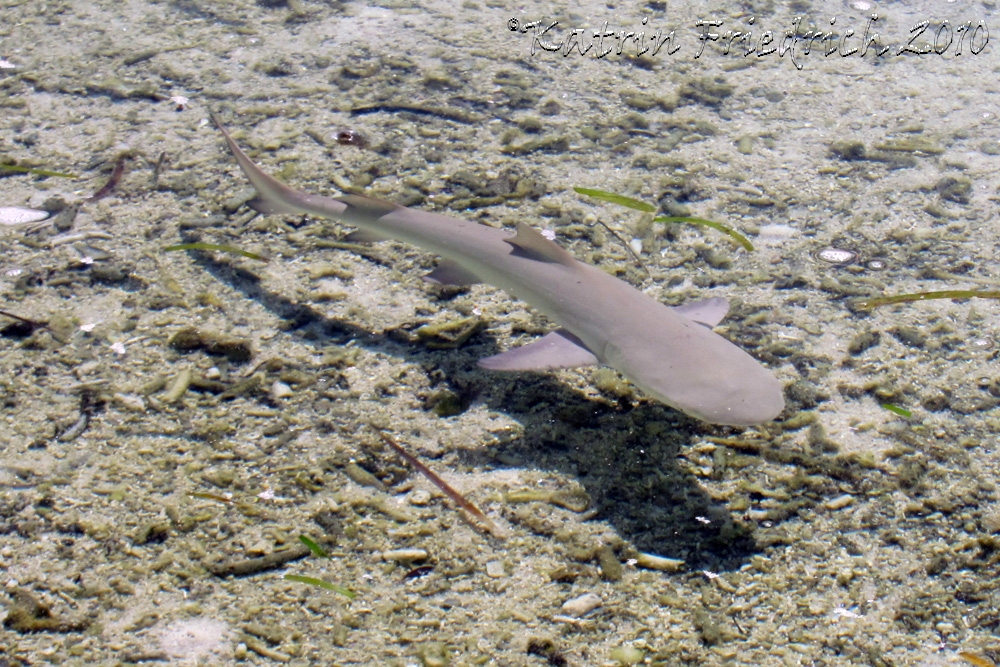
(419, 497)
(652, 562)
(627, 655)
(495, 569)
(131, 402)
(724, 585)
(259, 548)
(945, 628)
(579, 606)
(178, 387)
(840, 502)
(405, 555)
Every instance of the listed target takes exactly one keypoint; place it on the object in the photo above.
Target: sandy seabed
(184, 417)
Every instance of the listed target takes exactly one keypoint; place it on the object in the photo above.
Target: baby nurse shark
(670, 353)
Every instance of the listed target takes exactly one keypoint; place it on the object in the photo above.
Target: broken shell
(861, 5)
(19, 215)
(982, 343)
(348, 137)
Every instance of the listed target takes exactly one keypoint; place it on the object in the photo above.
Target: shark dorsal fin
(531, 242)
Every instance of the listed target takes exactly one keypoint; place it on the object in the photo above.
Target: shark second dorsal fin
(708, 312)
(366, 208)
(531, 243)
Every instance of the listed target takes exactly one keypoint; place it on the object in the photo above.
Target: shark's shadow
(296, 316)
(626, 458)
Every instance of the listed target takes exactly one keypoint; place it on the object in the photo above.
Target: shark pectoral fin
(531, 243)
(708, 312)
(449, 272)
(559, 349)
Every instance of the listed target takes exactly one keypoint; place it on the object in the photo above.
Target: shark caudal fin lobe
(273, 196)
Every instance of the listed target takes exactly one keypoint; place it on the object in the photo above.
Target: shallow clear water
(843, 533)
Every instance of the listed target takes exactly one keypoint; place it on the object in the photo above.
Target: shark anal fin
(558, 349)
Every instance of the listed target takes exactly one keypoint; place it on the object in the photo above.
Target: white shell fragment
(19, 215)
(836, 256)
(280, 390)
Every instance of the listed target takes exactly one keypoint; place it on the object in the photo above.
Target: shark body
(670, 353)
